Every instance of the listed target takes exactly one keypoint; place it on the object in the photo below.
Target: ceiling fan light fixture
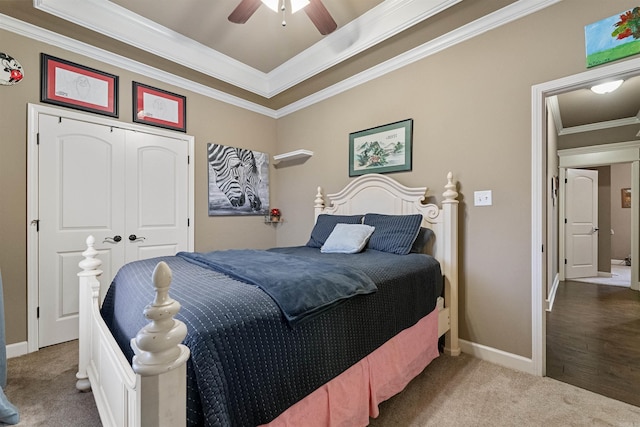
(296, 5)
(272, 4)
(607, 87)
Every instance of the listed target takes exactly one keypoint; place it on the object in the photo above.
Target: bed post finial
(318, 204)
(319, 201)
(159, 341)
(450, 195)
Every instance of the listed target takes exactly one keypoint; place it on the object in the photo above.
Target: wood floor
(593, 339)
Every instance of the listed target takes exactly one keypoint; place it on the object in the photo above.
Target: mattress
(248, 362)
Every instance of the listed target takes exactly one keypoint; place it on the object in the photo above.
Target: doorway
(539, 199)
(587, 353)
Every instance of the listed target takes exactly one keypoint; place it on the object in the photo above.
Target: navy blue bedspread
(248, 364)
(302, 287)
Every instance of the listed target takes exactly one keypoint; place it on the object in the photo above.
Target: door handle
(134, 238)
(114, 239)
(595, 229)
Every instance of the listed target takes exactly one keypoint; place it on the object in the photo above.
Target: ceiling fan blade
(244, 10)
(320, 17)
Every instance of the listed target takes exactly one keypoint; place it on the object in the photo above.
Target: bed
(266, 356)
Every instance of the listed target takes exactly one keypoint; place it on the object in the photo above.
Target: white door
(156, 196)
(111, 183)
(581, 209)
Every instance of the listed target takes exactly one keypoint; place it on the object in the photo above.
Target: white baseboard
(499, 357)
(17, 349)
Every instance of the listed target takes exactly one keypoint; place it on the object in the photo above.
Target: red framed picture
(157, 107)
(76, 86)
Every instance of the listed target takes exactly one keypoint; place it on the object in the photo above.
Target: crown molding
(503, 16)
(378, 24)
(114, 21)
(554, 109)
(496, 19)
(49, 37)
(387, 19)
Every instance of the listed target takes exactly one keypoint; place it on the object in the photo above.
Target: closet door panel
(156, 195)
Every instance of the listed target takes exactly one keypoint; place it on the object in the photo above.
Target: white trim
(503, 16)
(538, 131)
(17, 349)
(552, 293)
(383, 21)
(554, 108)
(489, 22)
(499, 357)
(40, 34)
(628, 121)
(33, 112)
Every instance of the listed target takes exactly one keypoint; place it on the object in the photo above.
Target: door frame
(33, 112)
(539, 94)
(603, 155)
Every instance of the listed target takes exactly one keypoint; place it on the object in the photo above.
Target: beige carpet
(42, 385)
(452, 391)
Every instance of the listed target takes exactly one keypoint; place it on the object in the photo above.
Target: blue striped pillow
(394, 233)
(325, 224)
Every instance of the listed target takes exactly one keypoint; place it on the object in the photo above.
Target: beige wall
(471, 106)
(207, 120)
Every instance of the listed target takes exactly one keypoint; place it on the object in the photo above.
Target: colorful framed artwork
(157, 107)
(382, 149)
(238, 181)
(613, 38)
(72, 85)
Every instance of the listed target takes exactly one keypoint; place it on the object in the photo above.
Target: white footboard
(153, 391)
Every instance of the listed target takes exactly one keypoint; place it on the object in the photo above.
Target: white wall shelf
(292, 155)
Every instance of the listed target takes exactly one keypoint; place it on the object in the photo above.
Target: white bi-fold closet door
(128, 189)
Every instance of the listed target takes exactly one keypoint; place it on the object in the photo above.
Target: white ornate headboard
(375, 193)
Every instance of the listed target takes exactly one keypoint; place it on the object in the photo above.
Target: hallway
(592, 339)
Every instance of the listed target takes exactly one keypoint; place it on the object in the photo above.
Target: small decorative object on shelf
(274, 215)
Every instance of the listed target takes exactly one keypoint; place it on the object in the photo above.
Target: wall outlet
(482, 198)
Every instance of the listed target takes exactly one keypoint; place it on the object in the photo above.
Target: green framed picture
(382, 149)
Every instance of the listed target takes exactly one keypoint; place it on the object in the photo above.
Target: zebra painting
(238, 181)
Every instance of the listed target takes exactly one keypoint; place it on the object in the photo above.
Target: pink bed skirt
(352, 397)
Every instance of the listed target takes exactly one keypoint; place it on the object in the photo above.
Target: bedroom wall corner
(471, 106)
(208, 120)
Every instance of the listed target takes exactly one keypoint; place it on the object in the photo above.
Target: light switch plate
(482, 198)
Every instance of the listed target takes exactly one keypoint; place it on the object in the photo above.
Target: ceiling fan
(314, 9)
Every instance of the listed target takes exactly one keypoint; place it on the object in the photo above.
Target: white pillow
(347, 238)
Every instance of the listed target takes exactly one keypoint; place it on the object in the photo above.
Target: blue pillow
(325, 224)
(424, 241)
(347, 239)
(394, 233)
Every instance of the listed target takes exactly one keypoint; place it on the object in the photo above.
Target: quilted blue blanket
(248, 364)
(302, 287)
